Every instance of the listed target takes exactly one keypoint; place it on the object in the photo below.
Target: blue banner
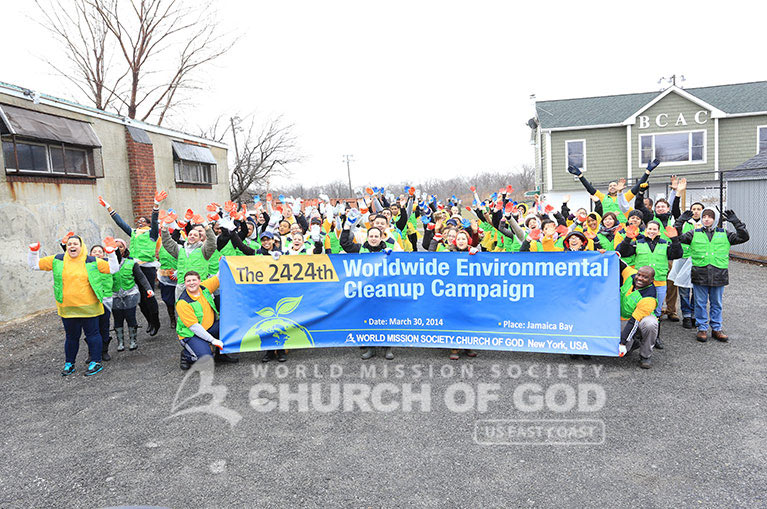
(563, 302)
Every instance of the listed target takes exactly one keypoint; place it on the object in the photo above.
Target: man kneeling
(638, 302)
(197, 324)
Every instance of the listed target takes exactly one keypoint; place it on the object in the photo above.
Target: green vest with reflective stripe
(607, 244)
(228, 250)
(142, 247)
(123, 279)
(559, 244)
(335, 243)
(657, 259)
(510, 245)
(181, 329)
(167, 262)
(686, 247)
(364, 250)
(714, 252)
(629, 298)
(610, 205)
(195, 262)
(91, 267)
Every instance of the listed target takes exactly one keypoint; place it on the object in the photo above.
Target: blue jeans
(660, 292)
(104, 326)
(687, 301)
(712, 296)
(73, 327)
(195, 347)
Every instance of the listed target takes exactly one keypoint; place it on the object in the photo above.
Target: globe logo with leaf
(275, 331)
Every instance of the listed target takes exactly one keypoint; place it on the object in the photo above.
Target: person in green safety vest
(194, 254)
(107, 282)
(79, 292)
(126, 296)
(710, 254)
(639, 325)
(656, 252)
(144, 244)
(198, 325)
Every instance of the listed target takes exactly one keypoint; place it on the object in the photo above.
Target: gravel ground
(689, 432)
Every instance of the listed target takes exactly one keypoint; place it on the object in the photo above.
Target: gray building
(58, 157)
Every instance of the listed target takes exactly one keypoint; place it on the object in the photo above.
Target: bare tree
(137, 57)
(261, 153)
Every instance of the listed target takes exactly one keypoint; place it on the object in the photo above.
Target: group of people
(665, 254)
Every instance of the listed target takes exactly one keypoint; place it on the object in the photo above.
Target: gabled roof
(754, 168)
(614, 110)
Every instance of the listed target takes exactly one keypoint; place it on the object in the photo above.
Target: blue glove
(653, 164)
(425, 220)
(466, 223)
(575, 171)
(388, 251)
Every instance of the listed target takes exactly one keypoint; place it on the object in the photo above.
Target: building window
(673, 148)
(761, 138)
(576, 154)
(194, 164)
(28, 157)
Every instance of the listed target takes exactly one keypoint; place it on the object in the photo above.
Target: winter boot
(105, 351)
(133, 332)
(119, 332)
(171, 315)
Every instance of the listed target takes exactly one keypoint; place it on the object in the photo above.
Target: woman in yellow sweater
(78, 290)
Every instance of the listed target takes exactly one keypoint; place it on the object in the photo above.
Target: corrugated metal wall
(747, 199)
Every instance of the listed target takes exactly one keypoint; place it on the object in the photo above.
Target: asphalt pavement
(565, 432)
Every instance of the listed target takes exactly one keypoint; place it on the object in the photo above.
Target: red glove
(412, 191)
(189, 214)
(561, 229)
(268, 197)
(498, 205)
(509, 189)
(535, 234)
(473, 189)
(34, 247)
(438, 237)
(149, 294)
(548, 209)
(103, 203)
(468, 208)
(509, 208)
(473, 250)
(66, 237)
(160, 196)
(110, 245)
(589, 234)
(632, 231)
(364, 210)
(430, 226)
(582, 218)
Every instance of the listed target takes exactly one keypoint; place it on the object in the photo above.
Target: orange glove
(671, 232)
(582, 218)
(169, 218)
(632, 231)
(189, 214)
(269, 197)
(67, 236)
(213, 217)
(472, 189)
(509, 189)
(34, 247)
(230, 207)
(103, 202)
(509, 208)
(548, 209)
(197, 219)
(369, 191)
(161, 215)
(211, 207)
(590, 234)
(561, 229)
(159, 196)
(412, 191)
(535, 234)
(110, 245)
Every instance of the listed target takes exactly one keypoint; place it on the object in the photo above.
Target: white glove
(226, 222)
(325, 198)
(276, 255)
(217, 343)
(315, 232)
(621, 350)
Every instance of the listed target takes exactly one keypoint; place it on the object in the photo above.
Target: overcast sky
(422, 89)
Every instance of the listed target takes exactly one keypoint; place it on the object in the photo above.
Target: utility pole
(348, 158)
(234, 135)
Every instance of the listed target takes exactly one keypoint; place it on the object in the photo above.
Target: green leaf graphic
(287, 305)
(267, 312)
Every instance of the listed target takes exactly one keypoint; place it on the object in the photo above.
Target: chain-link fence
(743, 192)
